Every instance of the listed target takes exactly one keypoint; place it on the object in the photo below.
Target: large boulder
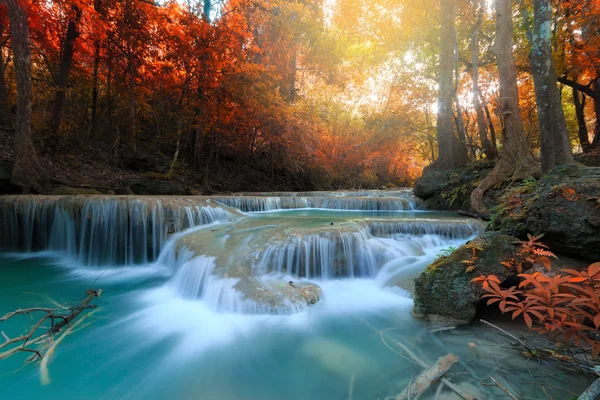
(564, 205)
(73, 191)
(450, 189)
(152, 184)
(6, 187)
(141, 162)
(445, 292)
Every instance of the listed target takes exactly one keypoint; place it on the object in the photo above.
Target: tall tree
(450, 152)
(64, 69)
(515, 162)
(26, 172)
(582, 130)
(488, 149)
(554, 138)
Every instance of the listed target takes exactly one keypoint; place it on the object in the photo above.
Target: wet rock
(564, 205)
(277, 296)
(444, 291)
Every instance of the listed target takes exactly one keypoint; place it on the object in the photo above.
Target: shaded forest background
(204, 96)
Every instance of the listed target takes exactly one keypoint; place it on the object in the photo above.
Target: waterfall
(102, 230)
(450, 229)
(355, 203)
(323, 255)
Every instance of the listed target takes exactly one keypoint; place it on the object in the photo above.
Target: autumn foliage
(564, 305)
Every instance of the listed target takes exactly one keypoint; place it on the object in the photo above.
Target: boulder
(444, 292)
(451, 189)
(144, 162)
(72, 191)
(564, 205)
(126, 190)
(152, 186)
(6, 186)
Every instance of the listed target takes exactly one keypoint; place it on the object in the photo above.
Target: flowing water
(202, 301)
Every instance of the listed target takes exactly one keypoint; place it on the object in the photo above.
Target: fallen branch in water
(58, 318)
(505, 390)
(592, 392)
(428, 377)
(455, 388)
(545, 354)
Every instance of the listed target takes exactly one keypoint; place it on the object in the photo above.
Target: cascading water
(258, 297)
(358, 201)
(240, 258)
(100, 231)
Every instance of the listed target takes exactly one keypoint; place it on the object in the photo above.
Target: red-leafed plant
(566, 306)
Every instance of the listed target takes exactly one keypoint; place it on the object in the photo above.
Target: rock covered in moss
(564, 205)
(450, 189)
(444, 291)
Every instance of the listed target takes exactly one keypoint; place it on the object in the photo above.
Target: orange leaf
(594, 269)
(546, 262)
(528, 320)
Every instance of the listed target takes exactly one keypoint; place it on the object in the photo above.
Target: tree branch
(580, 87)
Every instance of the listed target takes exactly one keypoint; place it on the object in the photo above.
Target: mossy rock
(564, 205)
(451, 189)
(445, 289)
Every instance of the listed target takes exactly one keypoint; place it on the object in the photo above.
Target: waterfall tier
(245, 264)
(271, 203)
(101, 230)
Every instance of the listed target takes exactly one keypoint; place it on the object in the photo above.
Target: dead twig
(505, 390)
(53, 314)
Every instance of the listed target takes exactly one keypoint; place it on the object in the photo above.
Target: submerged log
(428, 377)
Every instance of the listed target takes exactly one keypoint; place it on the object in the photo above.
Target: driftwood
(428, 377)
(452, 386)
(59, 318)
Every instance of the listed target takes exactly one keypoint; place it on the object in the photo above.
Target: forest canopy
(338, 93)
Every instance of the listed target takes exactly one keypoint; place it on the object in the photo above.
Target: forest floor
(89, 166)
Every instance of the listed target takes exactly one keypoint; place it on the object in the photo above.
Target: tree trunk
(596, 140)
(206, 10)
(5, 116)
(582, 132)
(26, 172)
(450, 153)
(516, 162)
(554, 138)
(95, 88)
(490, 151)
(62, 79)
(488, 117)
